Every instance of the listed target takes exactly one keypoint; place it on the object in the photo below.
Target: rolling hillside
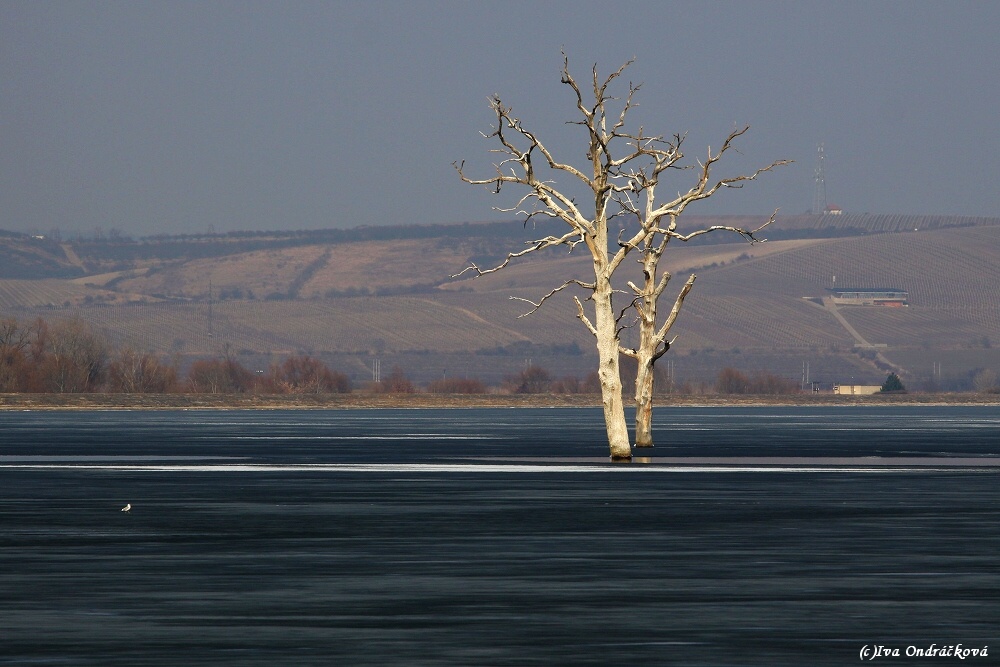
(392, 298)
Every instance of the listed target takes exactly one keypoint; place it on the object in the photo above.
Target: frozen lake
(748, 536)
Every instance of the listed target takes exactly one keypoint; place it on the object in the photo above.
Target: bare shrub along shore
(360, 400)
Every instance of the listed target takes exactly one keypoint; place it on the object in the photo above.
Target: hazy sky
(167, 117)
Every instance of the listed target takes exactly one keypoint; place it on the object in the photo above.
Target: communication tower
(211, 333)
(819, 196)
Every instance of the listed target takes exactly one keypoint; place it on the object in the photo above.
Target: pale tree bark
(620, 180)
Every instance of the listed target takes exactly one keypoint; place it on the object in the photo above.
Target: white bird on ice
(127, 508)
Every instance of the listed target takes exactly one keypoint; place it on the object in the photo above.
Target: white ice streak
(496, 468)
(394, 436)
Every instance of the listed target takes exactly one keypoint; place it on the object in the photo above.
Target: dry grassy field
(50, 293)
(395, 299)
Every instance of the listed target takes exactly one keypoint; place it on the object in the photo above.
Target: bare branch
(601, 94)
(622, 327)
(572, 281)
(522, 171)
(703, 191)
(568, 79)
(662, 350)
(662, 284)
(632, 90)
(749, 235)
(570, 239)
(675, 311)
(583, 317)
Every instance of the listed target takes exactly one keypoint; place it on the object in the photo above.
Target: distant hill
(352, 295)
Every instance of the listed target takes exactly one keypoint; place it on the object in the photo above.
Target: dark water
(778, 536)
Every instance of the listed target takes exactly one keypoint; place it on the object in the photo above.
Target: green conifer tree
(893, 383)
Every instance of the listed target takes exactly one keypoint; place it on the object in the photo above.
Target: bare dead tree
(620, 181)
(659, 222)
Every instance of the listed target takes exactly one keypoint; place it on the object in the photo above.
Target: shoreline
(10, 402)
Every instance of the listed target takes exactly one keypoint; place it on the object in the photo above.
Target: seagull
(127, 508)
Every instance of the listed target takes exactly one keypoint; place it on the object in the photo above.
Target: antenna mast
(819, 196)
(211, 333)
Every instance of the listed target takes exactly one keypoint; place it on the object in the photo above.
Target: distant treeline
(68, 356)
(41, 255)
(196, 246)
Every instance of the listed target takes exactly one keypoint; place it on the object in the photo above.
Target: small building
(856, 389)
(864, 296)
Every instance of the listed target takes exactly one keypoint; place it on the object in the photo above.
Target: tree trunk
(645, 354)
(614, 406)
(644, 403)
(610, 378)
(652, 345)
